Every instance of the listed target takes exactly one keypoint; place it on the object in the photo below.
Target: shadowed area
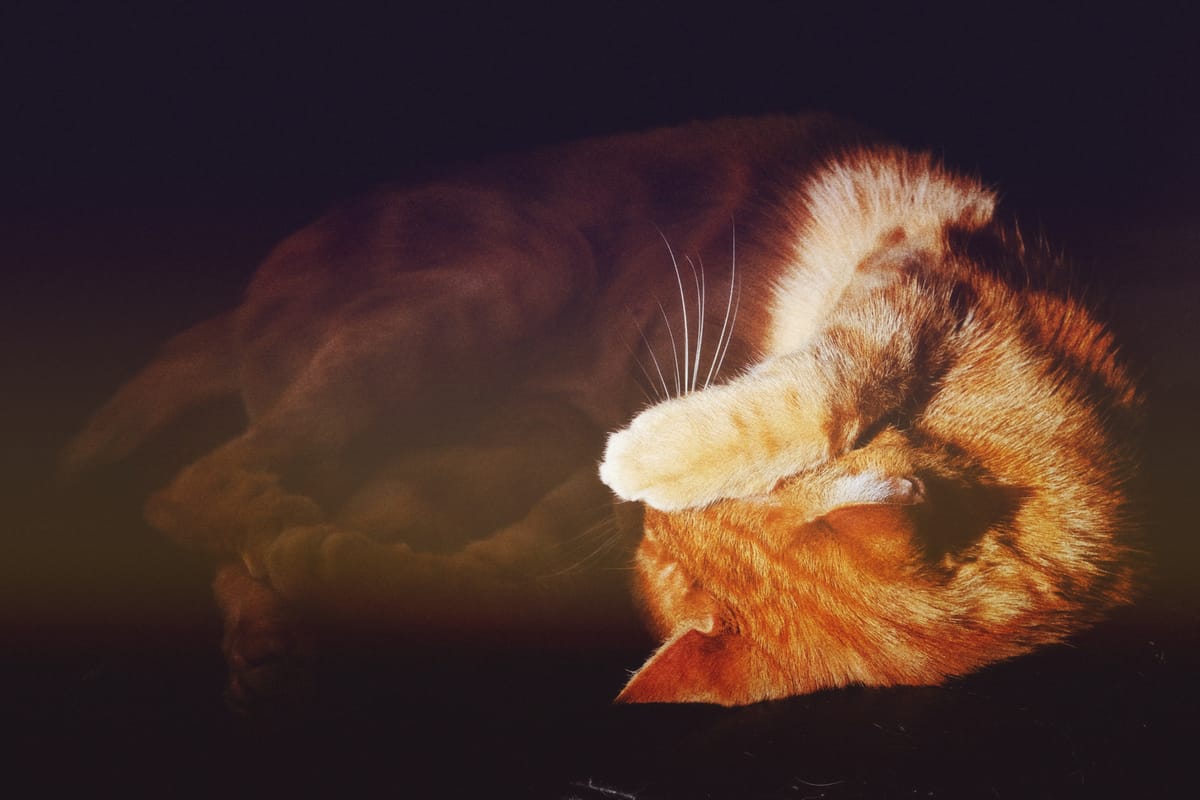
(201, 159)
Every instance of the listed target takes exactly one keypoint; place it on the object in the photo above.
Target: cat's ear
(693, 667)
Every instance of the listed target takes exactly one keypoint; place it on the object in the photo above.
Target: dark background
(148, 160)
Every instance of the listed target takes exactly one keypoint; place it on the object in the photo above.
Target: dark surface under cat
(1111, 714)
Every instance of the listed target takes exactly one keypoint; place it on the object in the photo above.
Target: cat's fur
(882, 449)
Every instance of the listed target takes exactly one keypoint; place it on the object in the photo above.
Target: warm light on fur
(786, 548)
(876, 445)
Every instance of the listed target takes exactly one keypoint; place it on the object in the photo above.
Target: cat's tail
(195, 366)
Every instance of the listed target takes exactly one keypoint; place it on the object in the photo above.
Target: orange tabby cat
(919, 465)
(926, 473)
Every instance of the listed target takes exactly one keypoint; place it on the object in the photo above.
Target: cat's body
(882, 460)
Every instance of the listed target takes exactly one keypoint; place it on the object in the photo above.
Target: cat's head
(789, 591)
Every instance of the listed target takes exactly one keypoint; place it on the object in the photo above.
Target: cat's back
(668, 177)
(611, 189)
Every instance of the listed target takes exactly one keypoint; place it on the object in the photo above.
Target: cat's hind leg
(375, 366)
(264, 642)
(519, 578)
(345, 352)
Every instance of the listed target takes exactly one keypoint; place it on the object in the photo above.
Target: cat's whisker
(603, 515)
(666, 393)
(651, 400)
(610, 545)
(674, 349)
(640, 385)
(606, 530)
(682, 308)
(605, 520)
(732, 324)
(698, 277)
(726, 325)
(699, 282)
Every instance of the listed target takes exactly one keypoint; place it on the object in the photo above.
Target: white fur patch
(870, 488)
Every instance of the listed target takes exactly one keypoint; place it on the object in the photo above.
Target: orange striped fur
(926, 472)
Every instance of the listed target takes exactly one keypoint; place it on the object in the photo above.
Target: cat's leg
(520, 577)
(493, 550)
(442, 496)
(726, 441)
(264, 642)
(385, 360)
(366, 367)
(887, 470)
(472, 537)
(873, 359)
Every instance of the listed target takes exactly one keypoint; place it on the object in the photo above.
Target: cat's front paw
(639, 465)
(698, 449)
